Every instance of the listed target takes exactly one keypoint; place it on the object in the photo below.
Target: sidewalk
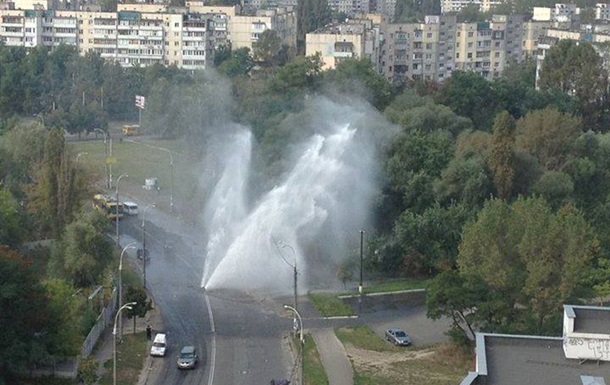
(105, 350)
(334, 357)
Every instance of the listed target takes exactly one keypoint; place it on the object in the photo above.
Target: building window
(470, 34)
(429, 35)
(469, 55)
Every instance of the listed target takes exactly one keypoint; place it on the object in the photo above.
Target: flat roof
(591, 320)
(517, 360)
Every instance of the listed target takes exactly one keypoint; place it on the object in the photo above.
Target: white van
(159, 346)
(130, 208)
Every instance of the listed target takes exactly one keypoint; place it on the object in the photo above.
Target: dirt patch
(436, 365)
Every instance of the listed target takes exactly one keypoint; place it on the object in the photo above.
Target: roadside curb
(382, 293)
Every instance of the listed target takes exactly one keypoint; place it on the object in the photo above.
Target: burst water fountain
(323, 197)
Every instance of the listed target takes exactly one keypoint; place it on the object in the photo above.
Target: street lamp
(108, 173)
(296, 313)
(144, 239)
(361, 258)
(129, 246)
(118, 204)
(126, 306)
(293, 266)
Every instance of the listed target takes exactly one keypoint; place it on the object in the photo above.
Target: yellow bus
(108, 206)
(131, 129)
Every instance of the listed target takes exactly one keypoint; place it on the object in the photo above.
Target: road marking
(213, 347)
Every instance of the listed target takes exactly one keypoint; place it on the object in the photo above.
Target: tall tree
(83, 252)
(577, 69)
(532, 260)
(501, 160)
(548, 135)
(53, 194)
(311, 15)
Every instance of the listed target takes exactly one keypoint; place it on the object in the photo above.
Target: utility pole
(360, 288)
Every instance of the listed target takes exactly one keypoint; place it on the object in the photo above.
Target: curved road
(240, 341)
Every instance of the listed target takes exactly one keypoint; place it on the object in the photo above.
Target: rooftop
(516, 360)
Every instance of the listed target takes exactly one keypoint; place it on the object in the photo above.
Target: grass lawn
(363, 337)
(329, 305)
(140, 159)
(376, 362)
(130, 360)
(313, 371)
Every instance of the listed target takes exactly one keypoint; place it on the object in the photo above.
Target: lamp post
(144, 253)
(118, 205)
(293, 266)
(105, 160)
(361, 258)
(296, 313)
(129, 246)
(126, 306)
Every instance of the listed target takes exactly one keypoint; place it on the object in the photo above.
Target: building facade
(145, 34)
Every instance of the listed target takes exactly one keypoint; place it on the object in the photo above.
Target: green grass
(363, 337)
(329, 305)
(130, 360)
(141, 161)
(313, 371)
(396, 285)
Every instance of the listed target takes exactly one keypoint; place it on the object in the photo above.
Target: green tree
(66, 309)
(53, 193)
(240, 63)
(25, 320)
(577, 69)
(452, 296)
(357, 77)
(311, 15)
(531, 259)
(267, 48)
(502, 156)
(138, 295)
(11, 230)
(471, 96)
(549, 136)
(84, 251)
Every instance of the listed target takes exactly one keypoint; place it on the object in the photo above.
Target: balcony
(343, 54)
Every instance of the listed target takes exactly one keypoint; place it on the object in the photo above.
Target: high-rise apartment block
(418, 50)
(146, 34)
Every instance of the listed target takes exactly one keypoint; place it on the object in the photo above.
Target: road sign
(140, 101)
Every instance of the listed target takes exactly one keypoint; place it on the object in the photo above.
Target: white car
(159, 346)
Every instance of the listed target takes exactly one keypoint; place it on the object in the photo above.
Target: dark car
(187, 358)
(398, 337)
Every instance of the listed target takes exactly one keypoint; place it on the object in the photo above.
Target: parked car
(398, 337)
(159, 345)
(187, 358)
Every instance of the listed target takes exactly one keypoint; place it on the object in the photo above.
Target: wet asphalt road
(239, 341)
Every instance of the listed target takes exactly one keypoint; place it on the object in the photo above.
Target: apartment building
(145, 34)
(418, 50)
(354, 40)
(602, 11)
(488, 47)
(454, 6)
(246, 29)
(350, 7)
(533, 31)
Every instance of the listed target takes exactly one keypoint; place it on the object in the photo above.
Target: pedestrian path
(334, 357)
